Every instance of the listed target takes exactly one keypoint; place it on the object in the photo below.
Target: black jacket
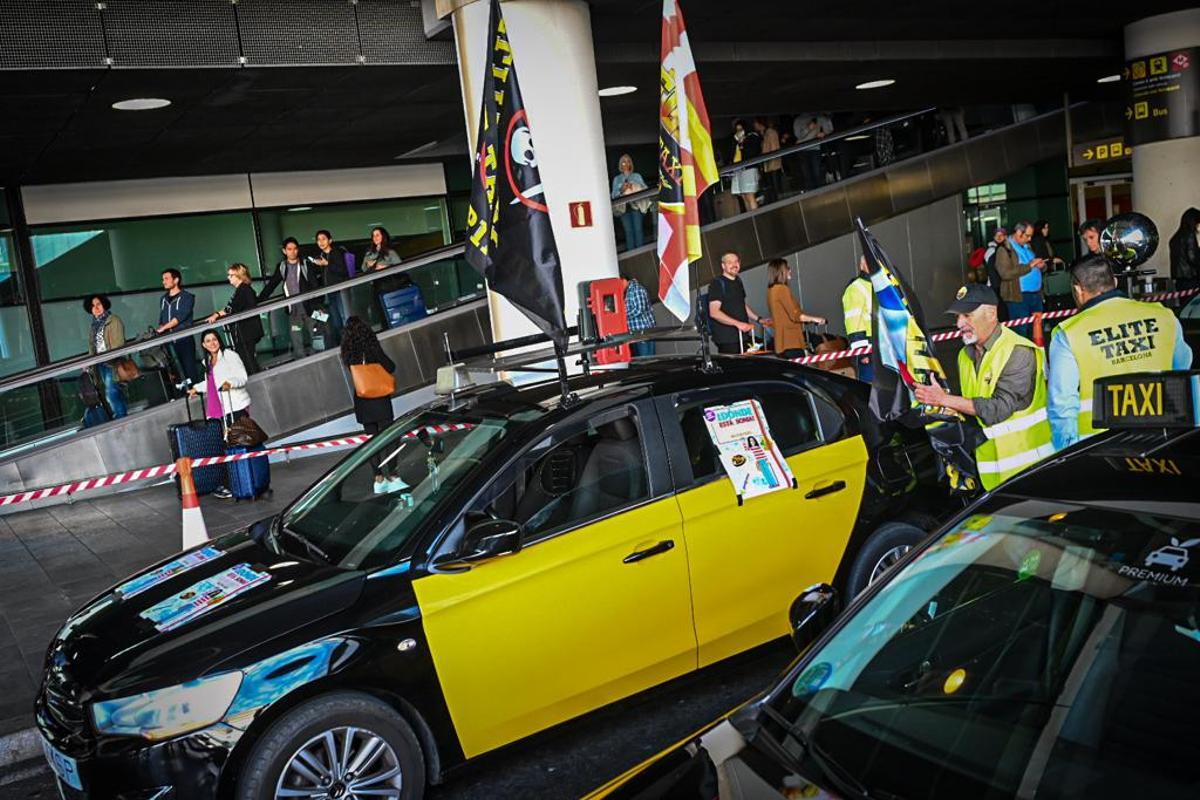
(751, 147)
(374, 409)
(1185, 251)
(250, 330)
(309, 280)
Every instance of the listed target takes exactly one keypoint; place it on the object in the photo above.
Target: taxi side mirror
(811, 613)
(491, 538)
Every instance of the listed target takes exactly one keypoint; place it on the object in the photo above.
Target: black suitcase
(198, 438)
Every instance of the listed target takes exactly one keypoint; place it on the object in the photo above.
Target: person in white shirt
(225, 375)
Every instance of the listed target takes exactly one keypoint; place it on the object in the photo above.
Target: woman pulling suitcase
(226, 398)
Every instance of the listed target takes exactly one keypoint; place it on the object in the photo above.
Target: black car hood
(113, 647)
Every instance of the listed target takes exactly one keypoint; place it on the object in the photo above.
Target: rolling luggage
(249, 479)
(403, 305)
(198, 438)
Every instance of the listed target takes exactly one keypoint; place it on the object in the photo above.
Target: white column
(556, 68)
(1164, 173)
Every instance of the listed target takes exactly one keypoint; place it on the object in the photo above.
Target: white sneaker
(381, 487)
(396, 484)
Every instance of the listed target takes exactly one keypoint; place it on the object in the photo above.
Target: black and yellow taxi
(523, 560)
(1044, 644)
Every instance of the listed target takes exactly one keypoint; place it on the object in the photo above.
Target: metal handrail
(812, 144)
(83, 362)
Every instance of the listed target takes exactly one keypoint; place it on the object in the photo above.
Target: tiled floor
(54, 560)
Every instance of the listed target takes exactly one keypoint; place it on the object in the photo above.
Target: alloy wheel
(887, 561)
(342, 764)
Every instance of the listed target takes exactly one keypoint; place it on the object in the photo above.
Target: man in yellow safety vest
(858, 307)
(1002, 377)
(1111, 335)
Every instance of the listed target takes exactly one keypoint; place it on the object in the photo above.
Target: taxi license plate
(63, 765)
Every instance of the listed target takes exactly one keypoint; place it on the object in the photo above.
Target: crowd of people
(235, 356)
(1029, 400)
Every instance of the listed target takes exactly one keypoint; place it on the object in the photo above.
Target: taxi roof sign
(1148, 400)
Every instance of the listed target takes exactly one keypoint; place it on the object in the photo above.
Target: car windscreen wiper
(839, 776)
(313, 548)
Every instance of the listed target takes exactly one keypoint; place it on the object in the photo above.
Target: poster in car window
(749, 454)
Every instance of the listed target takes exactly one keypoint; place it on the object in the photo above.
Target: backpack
(977, 257)
(89, 392)
(351, 263)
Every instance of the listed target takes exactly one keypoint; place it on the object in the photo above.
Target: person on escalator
(247, 333)
(107, 333)
(747, 144)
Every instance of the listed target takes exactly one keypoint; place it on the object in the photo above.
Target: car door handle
(836, 486)
(638, 555)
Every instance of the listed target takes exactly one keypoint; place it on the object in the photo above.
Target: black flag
(509, 238)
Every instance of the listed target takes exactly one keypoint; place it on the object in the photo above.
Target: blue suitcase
(402, 306)
(197, 439)
(250, 478)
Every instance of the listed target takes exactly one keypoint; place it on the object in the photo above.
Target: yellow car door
(595, 606)
(748, 562)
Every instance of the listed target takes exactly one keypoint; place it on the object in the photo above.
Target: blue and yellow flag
(903, 356)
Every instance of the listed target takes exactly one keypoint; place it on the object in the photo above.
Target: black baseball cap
(970, 297)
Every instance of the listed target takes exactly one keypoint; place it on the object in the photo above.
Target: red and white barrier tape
(166, 470)
(855, 352)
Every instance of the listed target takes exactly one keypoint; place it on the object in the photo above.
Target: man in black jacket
(296, 277)
(331, 259)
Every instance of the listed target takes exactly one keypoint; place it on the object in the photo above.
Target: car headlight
(169, 712)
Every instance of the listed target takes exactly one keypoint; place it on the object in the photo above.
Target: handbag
(372, 381)
(244, 432)
(126, 369)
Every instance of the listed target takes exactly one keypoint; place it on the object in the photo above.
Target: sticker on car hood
(167, 571)
(203, 596)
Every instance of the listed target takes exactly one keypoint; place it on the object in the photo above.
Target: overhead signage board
(1098, 151)
(1164, 96)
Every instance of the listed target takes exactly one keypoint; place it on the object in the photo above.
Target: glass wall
(125, 259)
(1035, 193)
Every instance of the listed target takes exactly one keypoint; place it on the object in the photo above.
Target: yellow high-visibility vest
(1024, 438)
(1116, 337)
(857, 306)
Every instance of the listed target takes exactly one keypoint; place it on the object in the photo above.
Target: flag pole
(569, 398)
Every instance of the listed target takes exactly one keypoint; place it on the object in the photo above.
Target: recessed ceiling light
(1109, 79)
(857, 137)
(300, 208)
(614, 91)
(141, 104)
(879, 84)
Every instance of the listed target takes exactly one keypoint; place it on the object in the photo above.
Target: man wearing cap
(1111, 335)
(1002, 376)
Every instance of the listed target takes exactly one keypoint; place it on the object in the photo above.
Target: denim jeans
(112, 390)
(638, 349)
(631, 220)
(1031, 302)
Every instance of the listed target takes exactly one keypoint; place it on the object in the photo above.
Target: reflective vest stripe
(1022, 439)
(1014, 424)
(855, 313)
(1015, 462)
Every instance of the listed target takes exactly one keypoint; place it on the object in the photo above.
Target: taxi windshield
(1036, 650)
(358, 522)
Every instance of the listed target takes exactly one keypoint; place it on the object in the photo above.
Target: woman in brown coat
(786, 313)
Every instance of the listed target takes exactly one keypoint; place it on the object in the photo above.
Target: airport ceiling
(764, 57)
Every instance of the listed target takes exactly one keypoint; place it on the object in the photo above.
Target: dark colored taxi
(1044, 645)
(536, 559)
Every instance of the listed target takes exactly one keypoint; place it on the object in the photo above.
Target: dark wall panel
(391, 32)
(50, 33)
(298, 32)
(171, 33)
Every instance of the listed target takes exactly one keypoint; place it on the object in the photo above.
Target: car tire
(886, 545)
(286, 753)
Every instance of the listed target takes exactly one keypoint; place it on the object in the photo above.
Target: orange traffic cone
(1039, 335)
(194, 531)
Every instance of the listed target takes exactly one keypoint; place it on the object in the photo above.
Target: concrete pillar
(556, 67)
(1164, 173)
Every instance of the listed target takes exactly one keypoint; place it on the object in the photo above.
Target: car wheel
(337, 747)
(883, 548)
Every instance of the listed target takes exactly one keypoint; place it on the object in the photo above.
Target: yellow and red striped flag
(686, 165)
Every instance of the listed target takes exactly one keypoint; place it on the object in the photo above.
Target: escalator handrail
(813, 144)
(74, 365)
